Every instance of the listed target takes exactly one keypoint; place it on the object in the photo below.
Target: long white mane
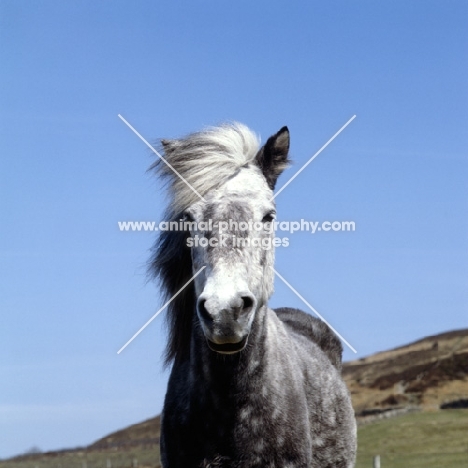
(205, 160)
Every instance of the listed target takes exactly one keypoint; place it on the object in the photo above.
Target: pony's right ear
(168, 145)
(273, 156)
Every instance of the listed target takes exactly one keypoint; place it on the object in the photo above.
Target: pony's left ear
(273, 156)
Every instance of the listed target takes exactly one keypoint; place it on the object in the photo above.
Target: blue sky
(74, 289)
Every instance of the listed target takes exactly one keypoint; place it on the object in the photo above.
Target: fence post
(84, 464)
(376, 461)
(135, 463)
(109, 463)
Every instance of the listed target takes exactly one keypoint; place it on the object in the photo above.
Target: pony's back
(314, 329)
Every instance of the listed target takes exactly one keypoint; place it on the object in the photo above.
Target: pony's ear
(273, 156)
(168, 145)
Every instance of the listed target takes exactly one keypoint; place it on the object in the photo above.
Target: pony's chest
(255, 432)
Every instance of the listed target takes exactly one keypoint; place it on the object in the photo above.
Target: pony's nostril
(247, 303)
(202, 310)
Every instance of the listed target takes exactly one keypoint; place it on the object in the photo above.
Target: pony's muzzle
(226, 323)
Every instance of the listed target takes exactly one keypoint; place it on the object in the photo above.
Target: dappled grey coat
(250, 386)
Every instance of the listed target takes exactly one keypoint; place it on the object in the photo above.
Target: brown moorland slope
(426, 373)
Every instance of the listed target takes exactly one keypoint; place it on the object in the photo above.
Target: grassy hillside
(134, 446)
(139, 457)
(424, 440)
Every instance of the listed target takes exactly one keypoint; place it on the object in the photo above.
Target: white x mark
(201, 269)
(161, 309)
(312, 309)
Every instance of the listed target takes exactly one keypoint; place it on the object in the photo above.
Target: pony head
(221, 185)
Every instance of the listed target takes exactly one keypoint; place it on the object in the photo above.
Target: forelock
(205, 160)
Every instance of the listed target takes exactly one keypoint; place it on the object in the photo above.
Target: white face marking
(248, 188)
(236, 278)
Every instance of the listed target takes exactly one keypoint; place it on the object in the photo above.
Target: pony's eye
(269, 217)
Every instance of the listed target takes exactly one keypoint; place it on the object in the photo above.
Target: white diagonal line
(161, 309)
(313, 157)
(160, 157)
(312, 309)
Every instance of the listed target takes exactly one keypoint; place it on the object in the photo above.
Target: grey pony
(250, 386)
